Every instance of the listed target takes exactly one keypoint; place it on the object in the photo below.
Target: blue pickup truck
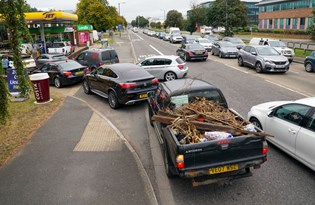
(206, 162)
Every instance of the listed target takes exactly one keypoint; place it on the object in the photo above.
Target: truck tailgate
(222, 152)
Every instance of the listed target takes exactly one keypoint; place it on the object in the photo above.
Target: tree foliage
(227, 13)
(99, 14)
(311, 29)
(174, 19)
(197, 16)
(157, 25)
(140, 21)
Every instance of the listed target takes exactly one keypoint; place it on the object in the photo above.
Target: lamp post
(119, 6)
(164, 19)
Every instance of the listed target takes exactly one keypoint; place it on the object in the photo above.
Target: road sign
(119, 27)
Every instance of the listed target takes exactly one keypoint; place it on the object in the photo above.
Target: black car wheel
(169, 76)
(240, 61)
(308, 67)
(169, 169)
(86, 87)
(256, 122)
(185, 57)
(112, 100)
(258, 67)
(57, 82)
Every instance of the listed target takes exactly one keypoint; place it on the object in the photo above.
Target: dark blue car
(309, 62)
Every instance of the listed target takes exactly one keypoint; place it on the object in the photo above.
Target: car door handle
(292, 131)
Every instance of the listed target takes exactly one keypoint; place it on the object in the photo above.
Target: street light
(164, 19)
(119, 6)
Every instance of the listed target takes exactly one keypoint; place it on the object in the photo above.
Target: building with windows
(285, 14)
(252, 10)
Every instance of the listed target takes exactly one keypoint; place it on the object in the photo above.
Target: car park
(176, 38)
(93, 58)
(239, 43)
(293, 125)
(63, 73)
(309, 62)
(121, 83)
(165, 67)
(263, 59)
(224, 49)
(206, 43)
(45, 58)
(192, 52)
(276, 44)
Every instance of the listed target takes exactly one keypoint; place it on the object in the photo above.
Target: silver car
(292, 123)
(165, 67)
(263, 59)
(224, 49)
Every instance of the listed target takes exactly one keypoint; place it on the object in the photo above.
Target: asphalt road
(281, 180)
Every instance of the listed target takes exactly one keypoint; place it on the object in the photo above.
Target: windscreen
(195, 47)
(277, 44)
(70, 65)
(59, 57)
(203, 40)
(226, 44)
(267, 51)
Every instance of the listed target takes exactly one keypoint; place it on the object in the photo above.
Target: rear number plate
(200, 52)
(144, 95)
(79, 73)
(222, 169)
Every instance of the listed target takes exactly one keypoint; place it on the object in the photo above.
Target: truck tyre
(258, 67)
(256, 122)
(150, 115)
(169, 169)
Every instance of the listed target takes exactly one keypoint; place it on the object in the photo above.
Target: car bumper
(194, 57)
(182, 74)
(230, 55)
(276, 68)
(130, 98)
(71, 80)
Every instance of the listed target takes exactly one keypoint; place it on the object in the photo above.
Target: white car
(165, 67)
(60, 47)
(206, 43)
(292, 123)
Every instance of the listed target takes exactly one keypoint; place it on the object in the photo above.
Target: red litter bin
(40, 83)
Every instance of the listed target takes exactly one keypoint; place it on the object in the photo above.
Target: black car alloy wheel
(240, 61)
(86, 87)
(57, 82)
(112, 100)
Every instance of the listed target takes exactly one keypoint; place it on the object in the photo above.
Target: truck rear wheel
(169, 169)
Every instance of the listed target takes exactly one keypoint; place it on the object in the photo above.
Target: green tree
(174, 19)
(227, 13)
(311, 29)
(140, 21)
(12, 11)
(196, 16)
(98, 13)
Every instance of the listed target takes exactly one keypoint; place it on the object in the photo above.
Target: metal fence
(302, 45)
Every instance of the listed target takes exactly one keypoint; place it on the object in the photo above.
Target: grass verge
(25, 118)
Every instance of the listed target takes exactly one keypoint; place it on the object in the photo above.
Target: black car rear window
(106, 55)
(134, 72)
(69, 65)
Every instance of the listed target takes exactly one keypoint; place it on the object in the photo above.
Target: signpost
(119, 29)
(13, 84)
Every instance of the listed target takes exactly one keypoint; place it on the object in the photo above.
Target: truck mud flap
(201, 181)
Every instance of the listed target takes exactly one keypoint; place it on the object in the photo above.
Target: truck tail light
(180, 161)
(265, 148)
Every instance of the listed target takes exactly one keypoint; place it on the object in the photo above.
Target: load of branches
(190, 121)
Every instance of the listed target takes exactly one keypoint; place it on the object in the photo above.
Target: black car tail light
(67, 73)
(128, 85)
(155, 81)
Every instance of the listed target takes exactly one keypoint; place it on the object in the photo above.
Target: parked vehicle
(192, 52)
(293, 125)
(63, 72)
(93, 58)
(189, 39)
(174, 30)
(60, 47)
(151, 33)
(220, 159)
(165, 67)
(224, 49)
(27, 60)
(161, 35)
(239, 43)
(176, 38)
(207, 44)
(206, 30)
(309, 62)
(45, 58)
(166, 37)
(276, 44)
(211, 38)
(121, 83)
(263, 59)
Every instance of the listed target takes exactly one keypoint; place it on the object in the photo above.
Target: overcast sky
(128, 8)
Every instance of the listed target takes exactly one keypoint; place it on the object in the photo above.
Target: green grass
(301, 53)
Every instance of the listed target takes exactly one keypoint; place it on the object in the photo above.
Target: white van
(174, 30)
(276, 44)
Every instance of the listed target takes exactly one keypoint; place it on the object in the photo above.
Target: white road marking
(139, 36)
(285, 87)
(156, 50)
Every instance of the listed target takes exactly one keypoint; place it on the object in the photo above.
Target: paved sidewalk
(77, 157)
